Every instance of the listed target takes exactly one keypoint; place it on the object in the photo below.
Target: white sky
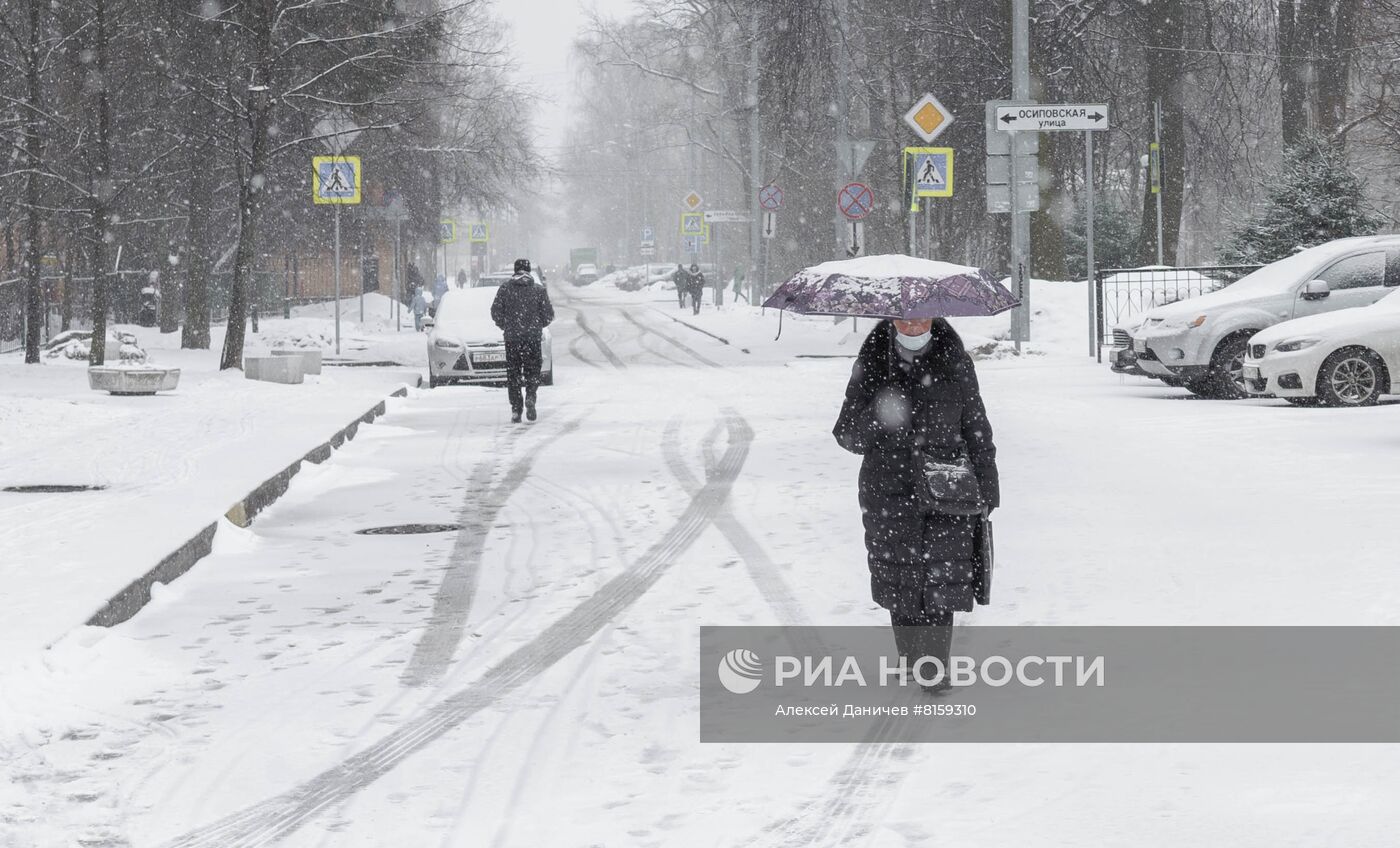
(542, 34)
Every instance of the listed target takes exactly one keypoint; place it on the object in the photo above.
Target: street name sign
(1052, 117)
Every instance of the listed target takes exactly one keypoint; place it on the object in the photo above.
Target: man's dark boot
(515, 416)
(530, 414)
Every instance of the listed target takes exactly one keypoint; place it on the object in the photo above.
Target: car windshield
(1288, 272)
(491, 281)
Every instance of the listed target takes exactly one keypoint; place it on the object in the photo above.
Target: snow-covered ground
(531, 679)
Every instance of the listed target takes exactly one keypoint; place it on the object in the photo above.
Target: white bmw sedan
(1345, 358)
(465, 346)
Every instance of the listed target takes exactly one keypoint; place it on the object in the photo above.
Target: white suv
(1202, 341)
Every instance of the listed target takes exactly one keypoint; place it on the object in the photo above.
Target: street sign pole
(1157, 137)
(337, 279)
(1089, 238)
(1020, 221)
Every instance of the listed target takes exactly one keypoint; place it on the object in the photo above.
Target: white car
(1346, 358)
(466, 346)
(1201, 341)
(586, 275)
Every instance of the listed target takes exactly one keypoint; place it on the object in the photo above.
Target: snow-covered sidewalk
(167, 466)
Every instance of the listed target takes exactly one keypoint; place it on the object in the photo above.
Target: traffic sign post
(1068, 117)
(335, 180)
(478, 231)
(770, 224)
(726, 216)
(855, 239)
(693, 224)
(693, 201)
(855, 200)
(932, 171)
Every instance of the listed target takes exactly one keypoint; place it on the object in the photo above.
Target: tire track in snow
(683, 346)
(762, 570)
(283, 815)
(453, 601)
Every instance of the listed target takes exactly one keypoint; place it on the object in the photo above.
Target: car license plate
(1251, 372)
(489, 358)
(1139, 346)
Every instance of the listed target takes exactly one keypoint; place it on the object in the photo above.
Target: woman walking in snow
(913, 400)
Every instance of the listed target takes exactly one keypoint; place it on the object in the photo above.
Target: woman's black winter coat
(895, 412)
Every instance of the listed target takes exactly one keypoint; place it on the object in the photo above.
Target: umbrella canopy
(893, 286)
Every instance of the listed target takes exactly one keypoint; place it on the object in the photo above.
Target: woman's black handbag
(950, 486)
(984, 555)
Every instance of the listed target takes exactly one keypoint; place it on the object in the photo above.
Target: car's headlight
(1293, 345)
(1196, 322)
(446, 344)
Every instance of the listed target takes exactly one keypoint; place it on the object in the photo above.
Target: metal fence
(1122, 293)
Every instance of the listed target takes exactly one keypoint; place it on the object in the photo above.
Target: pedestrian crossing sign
(693, 224)
(335, 179)
(447, 231)
(478, 232)
(932, 171)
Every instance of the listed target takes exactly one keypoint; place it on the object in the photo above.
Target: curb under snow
(137, 594)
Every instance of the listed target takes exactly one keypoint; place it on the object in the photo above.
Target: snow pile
(76, 346)
(639, 277)
(891, 265)
(301, 333)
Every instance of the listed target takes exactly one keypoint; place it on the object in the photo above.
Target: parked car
(585, 275)
(465, 345)
(1345, 358)
(495, 279)
(1202, 341)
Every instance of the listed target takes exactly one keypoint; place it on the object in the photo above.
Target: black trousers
(695, 296)
(929, 634)
(522, 369)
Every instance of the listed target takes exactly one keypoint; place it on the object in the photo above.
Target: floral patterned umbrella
(893, 286)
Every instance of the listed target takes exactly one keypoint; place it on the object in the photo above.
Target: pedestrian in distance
(419, 307)
(912, 407)
(697, 285)
(461, 278)
(682, 280)
(439, 289)
(522, 310)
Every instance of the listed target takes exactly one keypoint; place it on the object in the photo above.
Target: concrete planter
(273, 369)
(133, 381)
(310, 359)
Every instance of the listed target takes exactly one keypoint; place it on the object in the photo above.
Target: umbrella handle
(789, 300)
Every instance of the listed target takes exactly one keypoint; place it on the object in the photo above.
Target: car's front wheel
(1225, 379)
(1352, 378)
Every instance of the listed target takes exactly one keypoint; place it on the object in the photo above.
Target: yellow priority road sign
(335, 179)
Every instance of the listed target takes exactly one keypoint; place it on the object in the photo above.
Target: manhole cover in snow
(410, 529)
(51, 489)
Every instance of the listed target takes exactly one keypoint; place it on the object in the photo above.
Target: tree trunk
(1292, 73)
(1047, 237)
(1165, 30)
(33, 154)
(249, 201)
(198, 254)
(1337, 41)
(100, 187)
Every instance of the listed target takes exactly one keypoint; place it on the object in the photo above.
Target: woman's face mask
(914, 342)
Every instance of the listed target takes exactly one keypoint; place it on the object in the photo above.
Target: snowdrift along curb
(137, 594)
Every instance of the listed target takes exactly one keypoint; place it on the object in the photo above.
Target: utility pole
(755, 153)
(1090, 277)
(845, 170)
(1020, 221)
(1157, 182)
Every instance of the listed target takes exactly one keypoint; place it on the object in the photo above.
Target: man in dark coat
(914, 393)
(522, 310)
(682, 280)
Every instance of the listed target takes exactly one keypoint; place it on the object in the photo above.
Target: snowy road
(530, 679)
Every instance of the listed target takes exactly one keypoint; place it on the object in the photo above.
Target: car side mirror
(428, 322)
(1317, 290)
